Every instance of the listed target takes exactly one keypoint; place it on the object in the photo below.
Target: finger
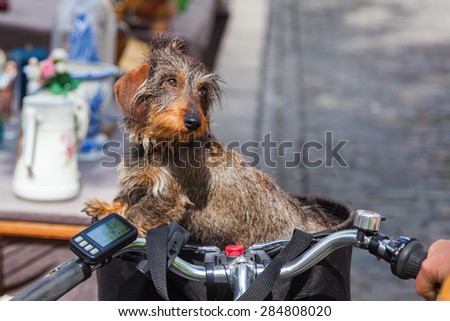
(425, 286)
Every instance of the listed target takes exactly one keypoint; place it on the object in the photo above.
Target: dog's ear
(125, 90)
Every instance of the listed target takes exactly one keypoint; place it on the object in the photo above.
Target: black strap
(257, 291)
(262, 286)
(157, 258)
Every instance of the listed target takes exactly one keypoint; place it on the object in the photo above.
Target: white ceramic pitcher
(53, 126)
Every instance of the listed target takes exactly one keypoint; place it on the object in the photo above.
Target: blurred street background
(369, 80)
(374, 74)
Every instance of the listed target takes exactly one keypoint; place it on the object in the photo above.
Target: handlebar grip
(409, 261)
(57, 283)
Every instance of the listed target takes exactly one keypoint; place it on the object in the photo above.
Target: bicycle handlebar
(405, 256)
(410, 260)
(58, 282)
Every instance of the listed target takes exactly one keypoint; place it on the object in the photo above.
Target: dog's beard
(150, 142)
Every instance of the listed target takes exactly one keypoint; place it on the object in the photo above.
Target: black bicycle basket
(327, 280)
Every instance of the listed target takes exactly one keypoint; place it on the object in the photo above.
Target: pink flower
(47, 68)
(70, 152)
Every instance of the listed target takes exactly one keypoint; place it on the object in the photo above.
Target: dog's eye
(172, 82)
(202, 92)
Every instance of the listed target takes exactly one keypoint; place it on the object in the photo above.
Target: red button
(234, 250)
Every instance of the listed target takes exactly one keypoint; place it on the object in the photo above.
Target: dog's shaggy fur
(176, 171)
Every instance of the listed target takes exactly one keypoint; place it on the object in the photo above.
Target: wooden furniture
(25, 229)
(29, 250)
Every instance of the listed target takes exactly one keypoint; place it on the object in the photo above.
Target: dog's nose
(192, 122)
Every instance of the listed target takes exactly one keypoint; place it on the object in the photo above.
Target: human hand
(434, 270)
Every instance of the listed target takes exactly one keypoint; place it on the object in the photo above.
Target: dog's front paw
(97, 208)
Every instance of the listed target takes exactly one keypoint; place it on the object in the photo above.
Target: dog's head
(169, 97)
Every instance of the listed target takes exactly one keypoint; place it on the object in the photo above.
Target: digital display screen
(107, 233)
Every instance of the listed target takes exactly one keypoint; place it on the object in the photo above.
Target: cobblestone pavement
(377, 75)
(374, 74)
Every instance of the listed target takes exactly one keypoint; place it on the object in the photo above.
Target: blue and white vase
(97, 89)
(86, 29)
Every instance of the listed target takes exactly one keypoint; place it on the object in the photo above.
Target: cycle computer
(102, 239)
